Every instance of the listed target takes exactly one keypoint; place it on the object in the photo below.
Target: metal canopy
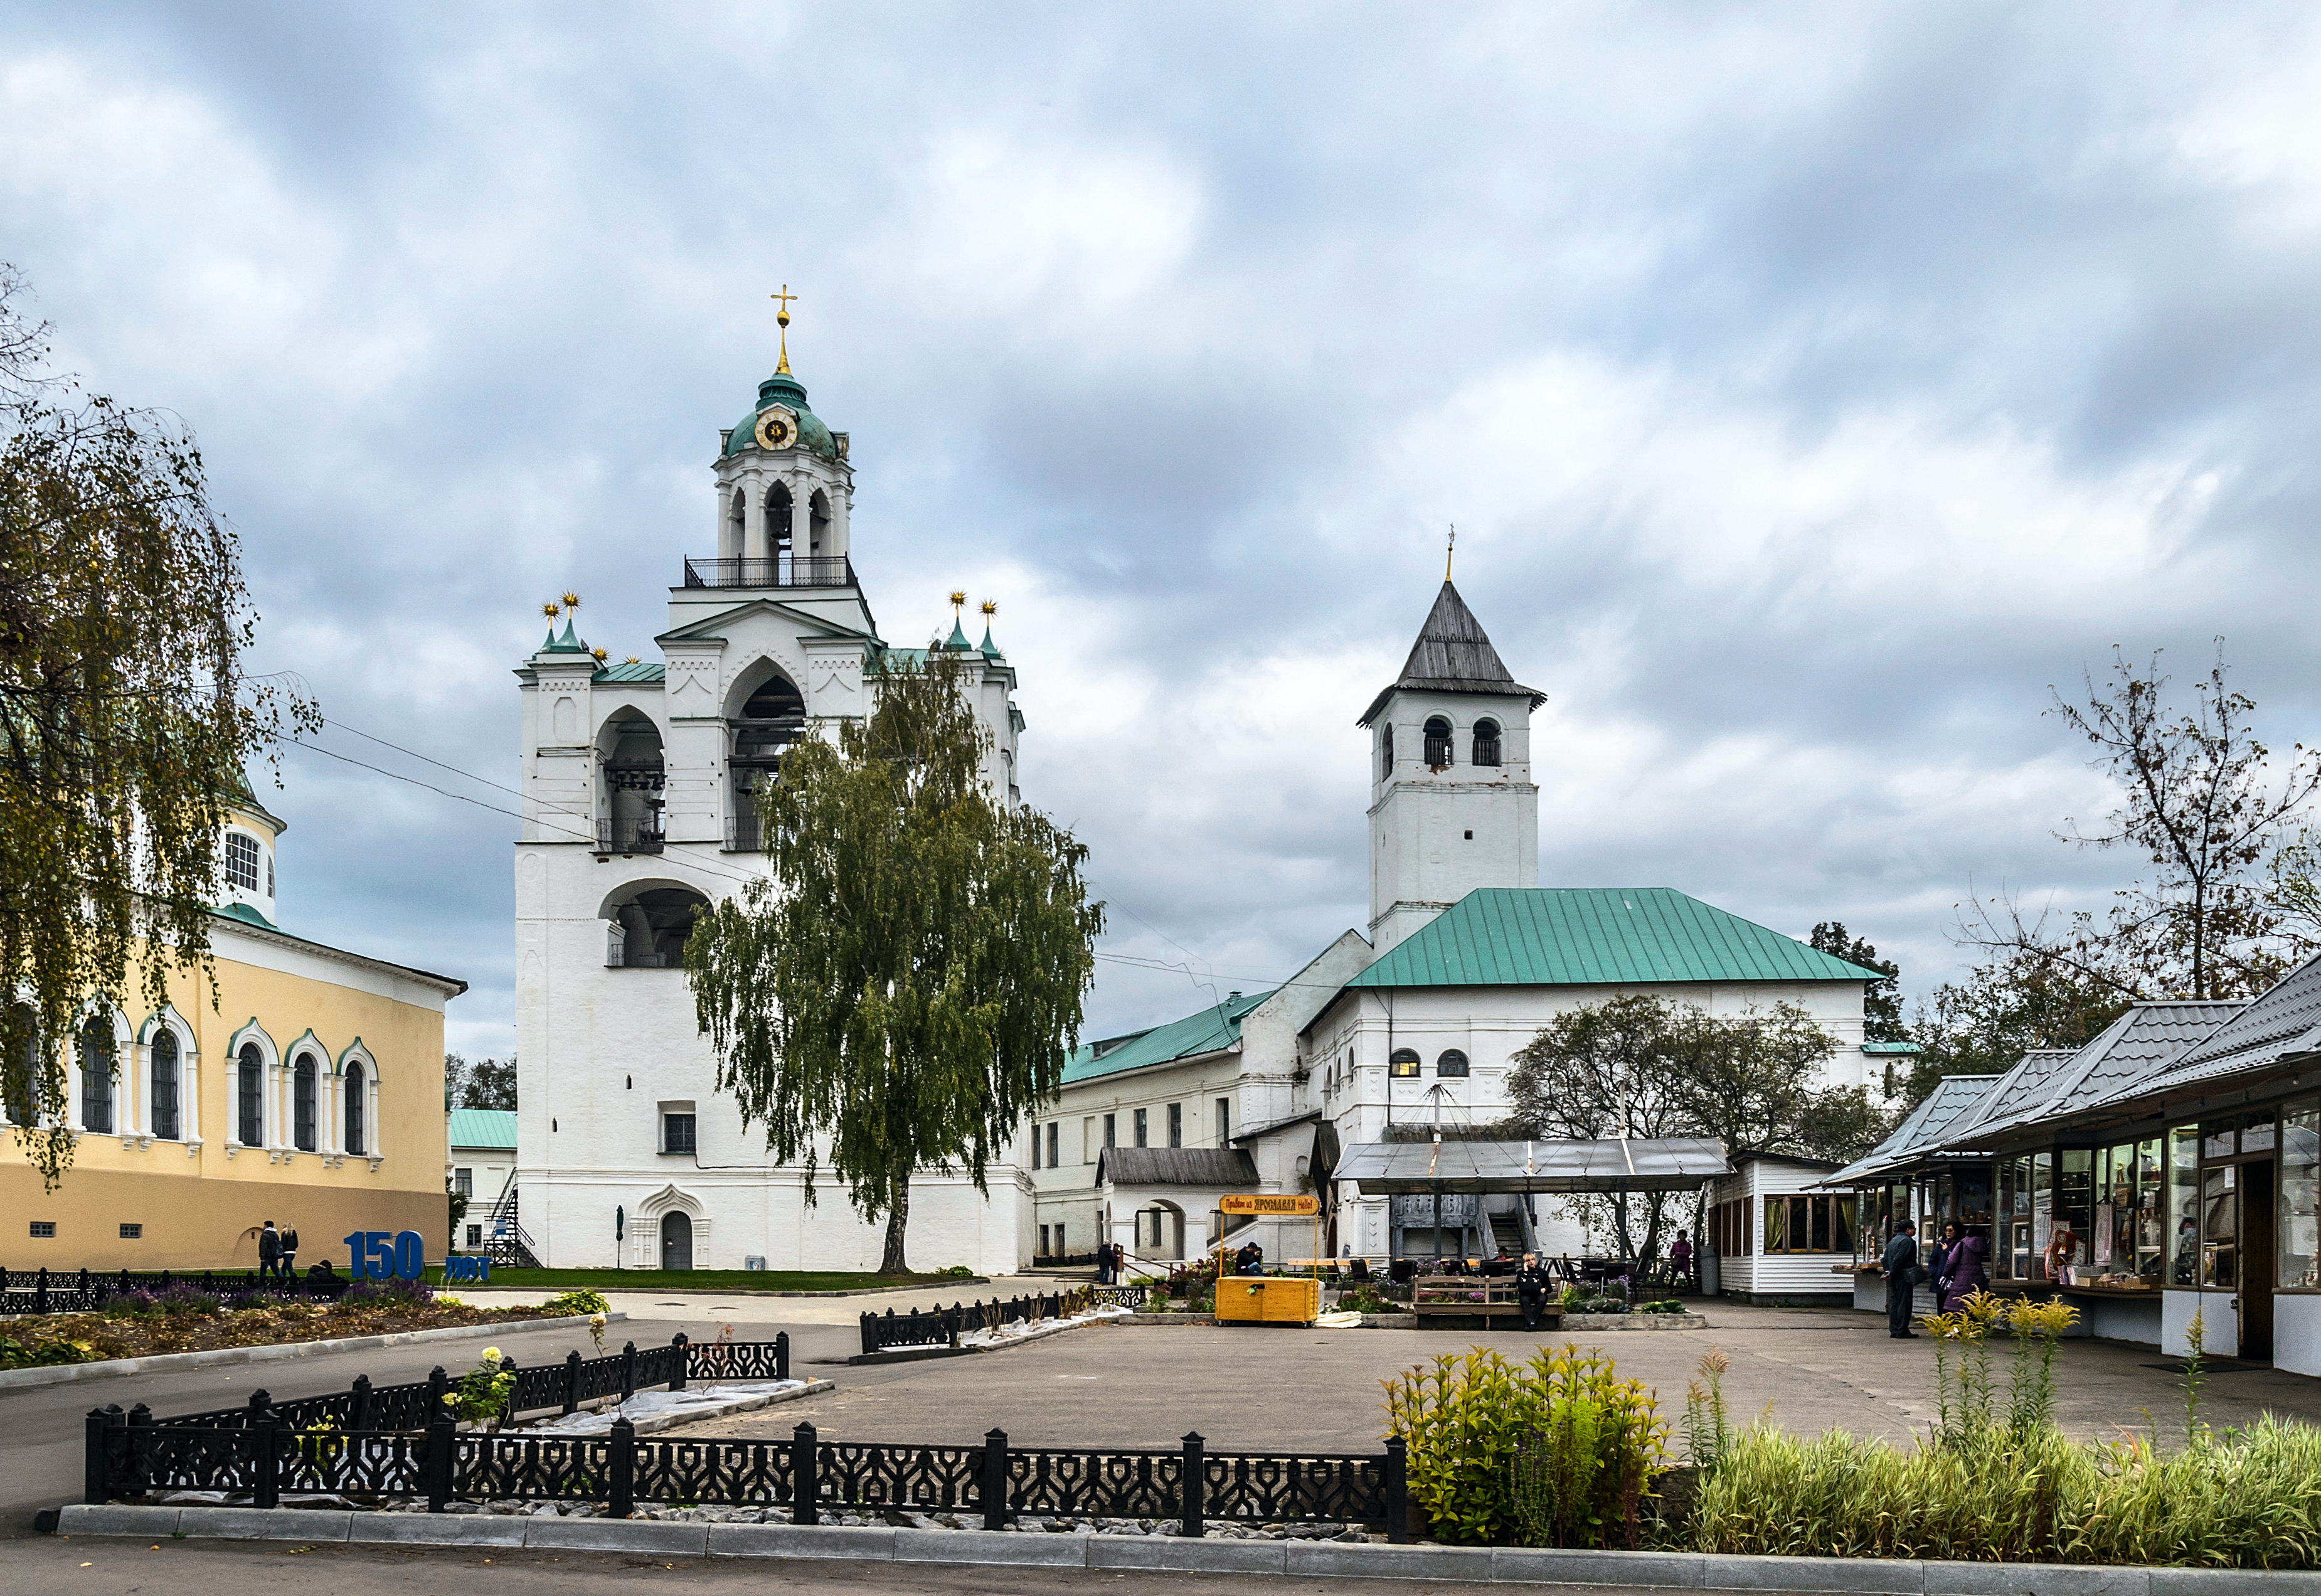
(1674, 1164)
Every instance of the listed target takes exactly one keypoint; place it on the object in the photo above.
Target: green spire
(958, 638)
(990, 649)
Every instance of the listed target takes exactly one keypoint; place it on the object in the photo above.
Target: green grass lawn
(695, 1279)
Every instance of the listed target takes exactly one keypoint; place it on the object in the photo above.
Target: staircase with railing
(505, 1241)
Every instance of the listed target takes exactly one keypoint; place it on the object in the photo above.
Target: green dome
(782, 388)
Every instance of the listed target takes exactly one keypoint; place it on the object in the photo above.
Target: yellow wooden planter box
(1268, 1299)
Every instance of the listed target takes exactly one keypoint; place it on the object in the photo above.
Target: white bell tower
(1453, 804)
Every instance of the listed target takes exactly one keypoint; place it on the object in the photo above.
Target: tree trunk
(898, 1217)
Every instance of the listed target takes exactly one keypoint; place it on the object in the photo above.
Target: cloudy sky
(1810, 385)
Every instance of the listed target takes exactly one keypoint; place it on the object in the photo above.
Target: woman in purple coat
(1967, 1273)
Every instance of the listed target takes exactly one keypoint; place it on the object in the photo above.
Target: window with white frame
(241, 860)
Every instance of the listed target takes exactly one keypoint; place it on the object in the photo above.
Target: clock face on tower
(776, 428)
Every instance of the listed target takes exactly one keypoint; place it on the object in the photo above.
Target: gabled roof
(1452, 655)
(1594, 936)
(483, 1128)
(1952, 1096)
(1228, 1167)
(1208, 1030)
(2284, 1021)
(2020, 1093)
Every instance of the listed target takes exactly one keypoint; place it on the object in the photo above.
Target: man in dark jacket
(1532, 1288)
(1901, 1269)
(269, 1250)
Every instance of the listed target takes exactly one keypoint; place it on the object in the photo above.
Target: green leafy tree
(487, 1083)
(1643, 1066)
(1881, 1000)
(903, 991)
(126, 722)
(1984, 1023)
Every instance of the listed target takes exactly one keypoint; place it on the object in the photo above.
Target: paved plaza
(1257, 1388)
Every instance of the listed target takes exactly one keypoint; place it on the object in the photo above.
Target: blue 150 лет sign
(381, 1254)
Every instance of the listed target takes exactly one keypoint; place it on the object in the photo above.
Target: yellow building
(312, 1095)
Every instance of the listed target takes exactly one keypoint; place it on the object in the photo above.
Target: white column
(134, 1095)
(189, 1099)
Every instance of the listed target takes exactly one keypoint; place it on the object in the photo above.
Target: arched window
(96, 1076)
(1386, 751)
(250, 1097)
(302, 1102)
(23, 1040)
(817, 522)
(778, 520)
(1487, 743)
(241, 860)
(654, 926)
(1438, 742)
(737, 525)
(772, 719)
(164, 1100)
(1451, 1064)
(355, 1109)
(1402, 1064)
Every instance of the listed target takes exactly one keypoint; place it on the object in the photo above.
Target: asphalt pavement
(54, 1565)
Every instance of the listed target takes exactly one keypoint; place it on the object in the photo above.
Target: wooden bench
(1488, 1298)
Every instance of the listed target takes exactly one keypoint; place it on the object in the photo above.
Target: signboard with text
(1304, 1207)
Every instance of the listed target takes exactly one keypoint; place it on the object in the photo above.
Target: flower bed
(183, 1319)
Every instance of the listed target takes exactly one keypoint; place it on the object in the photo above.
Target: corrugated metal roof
(1452, 655)
(629, 671)
(1952, 1096)
(1595, 936)
(2020, 1093)
(484, 1127)
(1210, 1030)
(1227, 1167)
(1662, 1163)
(2285, 1020)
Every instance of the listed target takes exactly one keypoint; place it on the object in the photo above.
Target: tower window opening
(817, 526)
(1386, 751)
(241, 860)
(772, 719)
(1438, 743)
(1487, 743)
(1452, 1066)
(779, 530)
(654, 926)
(1403, 1064)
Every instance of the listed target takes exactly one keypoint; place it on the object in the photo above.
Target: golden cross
(1448, 549)
(782, 319)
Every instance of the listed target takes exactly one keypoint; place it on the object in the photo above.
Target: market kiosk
(1270, 1299)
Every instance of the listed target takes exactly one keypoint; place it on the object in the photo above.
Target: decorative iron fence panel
(357, 1464)
(733, 1473)
(1101, 1485)
(871, 1475)
(740, 1360)
(82, 1291)
(1332, 1489)
(544, 1468)
(131, 1458)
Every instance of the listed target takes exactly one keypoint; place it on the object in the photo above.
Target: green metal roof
(1209, 1030)
(630, 670)
(1592, 936)
(484, 1127)
(782, 388)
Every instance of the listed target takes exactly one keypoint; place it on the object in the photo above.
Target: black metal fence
(808, 570)
(942, 1327)
(133, 1456)
(64, 1291)
(562, 1387)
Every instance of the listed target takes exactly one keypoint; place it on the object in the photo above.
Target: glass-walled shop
(2228, 1204)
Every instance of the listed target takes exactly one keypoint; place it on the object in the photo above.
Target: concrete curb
(166, 1361)
(911, 1354)
(1650, 1571)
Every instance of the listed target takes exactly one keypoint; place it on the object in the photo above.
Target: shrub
(578, 1301)
(1558, 1451)
(41, 1355)
(956, 1271)
(483, 1391)
(1669, 1305)
(1575, 1303)
(1365, 1298)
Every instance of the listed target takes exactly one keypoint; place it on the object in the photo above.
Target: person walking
(1938, 1266)
(1680, 1258)
(1900, 1267)
(1532, 1285)
(269, 1250)
(286, 1262)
